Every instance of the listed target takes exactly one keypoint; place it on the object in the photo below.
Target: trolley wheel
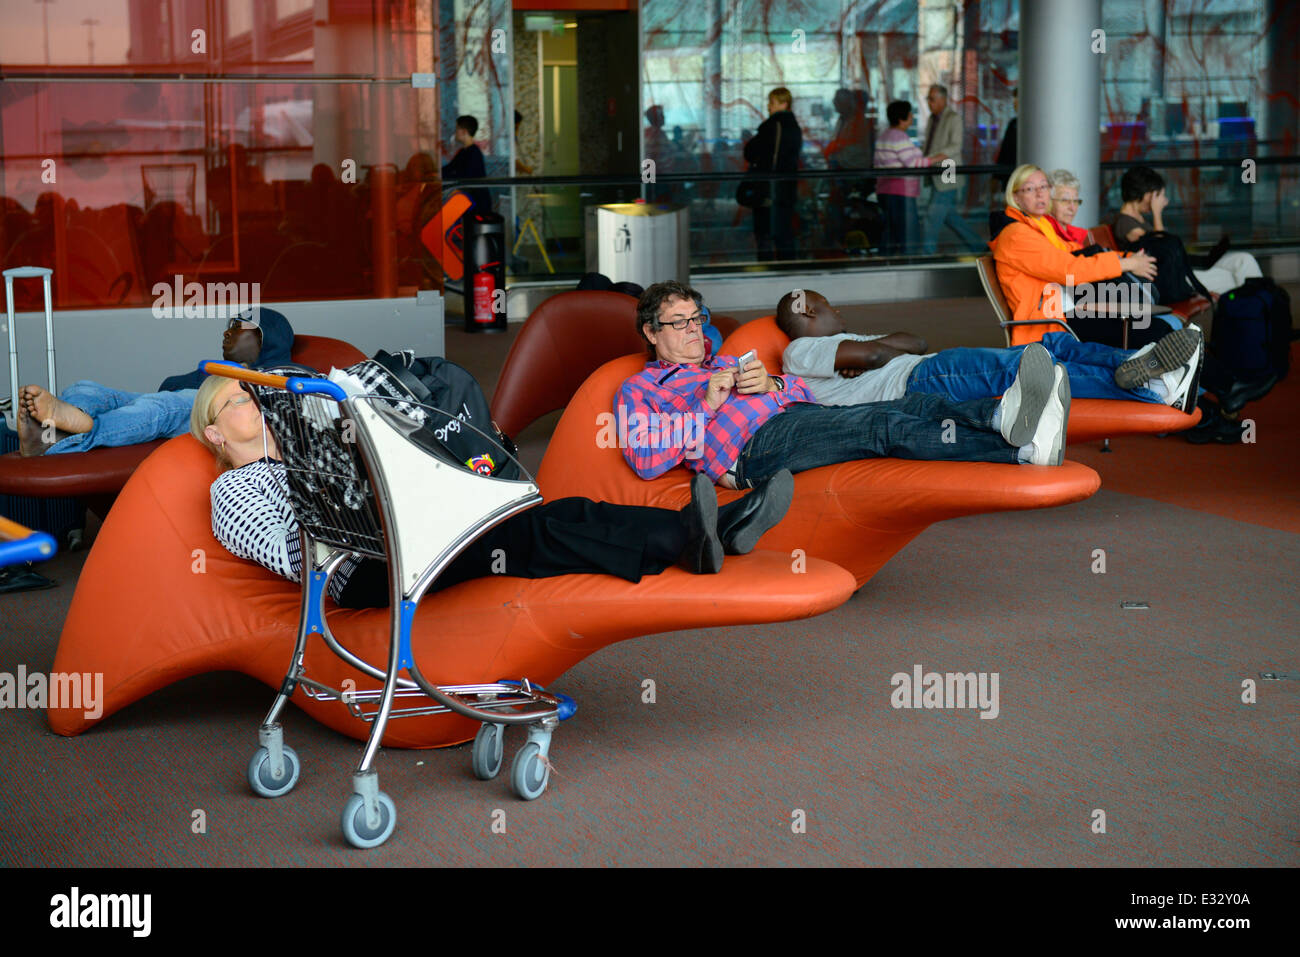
(489, 751)
(530, 772)
(263, 780)
(355, 828)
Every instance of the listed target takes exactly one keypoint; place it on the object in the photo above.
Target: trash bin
(643, 243)
(485, 273)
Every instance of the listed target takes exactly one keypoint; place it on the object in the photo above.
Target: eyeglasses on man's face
(238, 323)
(1068, 200)
(681, 324)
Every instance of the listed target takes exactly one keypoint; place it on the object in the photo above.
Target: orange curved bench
(855, 514)
(159, 600)
(1090, 419)
(564, 339)
(103, 472)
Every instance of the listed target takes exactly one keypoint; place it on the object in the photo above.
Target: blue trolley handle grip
(302, 385)
(24, 544)
(305, 386)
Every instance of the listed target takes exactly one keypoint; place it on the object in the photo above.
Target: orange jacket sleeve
(1026, 250)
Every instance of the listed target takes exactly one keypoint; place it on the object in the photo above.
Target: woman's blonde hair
(1018, 177)
(203, 414)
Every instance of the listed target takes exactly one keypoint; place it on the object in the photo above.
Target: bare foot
(46, 408)
(29, 434)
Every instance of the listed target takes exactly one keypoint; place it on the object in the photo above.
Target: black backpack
(442, 384)
(1252, 329)
(1175, 281)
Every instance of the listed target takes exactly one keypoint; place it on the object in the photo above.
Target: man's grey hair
(940, 89)
(1063, 177)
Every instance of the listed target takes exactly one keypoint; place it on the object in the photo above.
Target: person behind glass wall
(662, 151)
(468, 163)
(775, 149)
(851, 148)
(521, 168)
(898, 194)
(943, 140)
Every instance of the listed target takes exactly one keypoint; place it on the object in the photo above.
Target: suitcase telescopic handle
(45, 274)
(301, 385)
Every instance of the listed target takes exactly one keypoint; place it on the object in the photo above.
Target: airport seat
(1090, 419)
(99, 474)
(159, 600)
(855, 514)
(564, 339)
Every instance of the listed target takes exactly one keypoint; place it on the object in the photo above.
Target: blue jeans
(125, 418)
(928, 427)
(902, 232)
(964, 374)
(941, 212)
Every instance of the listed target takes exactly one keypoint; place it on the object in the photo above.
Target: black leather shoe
(1241, 393)
(741, 524)
(703, 552)
(1221, 430)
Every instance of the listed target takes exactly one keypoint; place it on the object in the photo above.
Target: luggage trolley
(362, 482)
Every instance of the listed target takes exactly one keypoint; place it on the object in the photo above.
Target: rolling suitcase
(58, 516)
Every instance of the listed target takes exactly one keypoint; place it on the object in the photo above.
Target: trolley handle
(302, 385)
(18, 543)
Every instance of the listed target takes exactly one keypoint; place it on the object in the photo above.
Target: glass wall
(281, 142)
(1182, 79)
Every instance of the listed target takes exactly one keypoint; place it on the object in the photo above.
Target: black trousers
(570, 536)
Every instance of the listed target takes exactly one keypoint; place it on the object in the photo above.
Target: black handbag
(751, 194)
(755, 193)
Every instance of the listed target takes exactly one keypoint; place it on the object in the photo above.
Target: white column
(1060, 93)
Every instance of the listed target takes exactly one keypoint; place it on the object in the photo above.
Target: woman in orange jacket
(1039, 267)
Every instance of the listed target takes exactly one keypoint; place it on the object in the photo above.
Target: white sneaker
(1047, 447)
(1183, 384)
(1169, 354)
(1023, 403)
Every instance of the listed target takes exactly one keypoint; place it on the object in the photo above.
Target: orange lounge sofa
(855, 514)
(160, 600)
(1090, 419)
(98, 475)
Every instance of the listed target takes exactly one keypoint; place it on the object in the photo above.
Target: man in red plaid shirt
(739, 426)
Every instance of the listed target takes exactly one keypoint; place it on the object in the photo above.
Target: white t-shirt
(813, 358)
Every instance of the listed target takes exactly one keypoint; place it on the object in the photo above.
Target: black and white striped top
(252, 518)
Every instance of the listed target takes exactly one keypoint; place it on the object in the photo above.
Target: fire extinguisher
(485, 292)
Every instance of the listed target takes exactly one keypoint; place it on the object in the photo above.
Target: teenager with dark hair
(1143, 191)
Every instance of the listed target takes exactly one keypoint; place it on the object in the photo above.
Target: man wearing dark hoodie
(88, 415)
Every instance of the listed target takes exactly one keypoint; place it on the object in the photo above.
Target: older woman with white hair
(1039, 258)
(1065, 196)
